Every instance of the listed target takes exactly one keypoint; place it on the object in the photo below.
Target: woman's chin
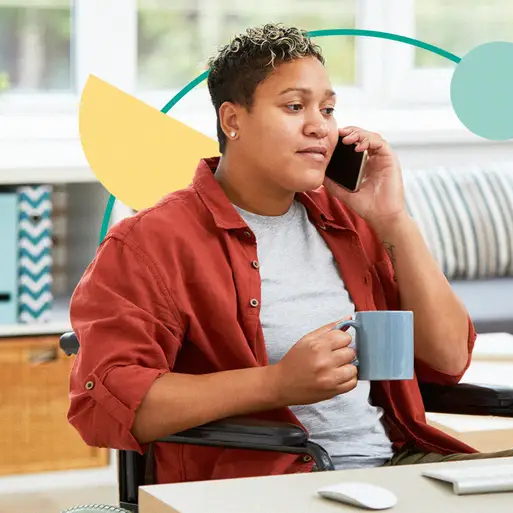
(311, 181)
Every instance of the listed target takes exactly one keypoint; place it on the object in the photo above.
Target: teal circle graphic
(480, 124)
(482, 90)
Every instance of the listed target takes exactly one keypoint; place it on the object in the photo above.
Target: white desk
(492, 364)
(296, 493)
(493, 347)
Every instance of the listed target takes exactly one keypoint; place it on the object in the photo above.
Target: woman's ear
(228, 118)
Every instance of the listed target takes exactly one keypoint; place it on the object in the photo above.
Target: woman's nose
(318, 128)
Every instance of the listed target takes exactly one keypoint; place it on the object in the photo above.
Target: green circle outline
(313, 33)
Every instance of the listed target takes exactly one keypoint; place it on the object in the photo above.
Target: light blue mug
(384, 344)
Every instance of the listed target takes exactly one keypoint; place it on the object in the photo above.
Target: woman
(219, 300)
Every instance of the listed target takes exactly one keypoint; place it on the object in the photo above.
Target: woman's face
(289, 134)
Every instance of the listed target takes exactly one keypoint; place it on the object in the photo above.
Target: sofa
(466, 217)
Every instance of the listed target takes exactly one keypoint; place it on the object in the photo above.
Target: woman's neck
(245, 188)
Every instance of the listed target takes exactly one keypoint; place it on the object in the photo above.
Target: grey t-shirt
(302, 289)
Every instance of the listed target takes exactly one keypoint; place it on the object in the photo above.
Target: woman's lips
(313, 155)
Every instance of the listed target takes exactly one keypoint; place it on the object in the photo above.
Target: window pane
(35, 44)
(460, 25)
(176, 37)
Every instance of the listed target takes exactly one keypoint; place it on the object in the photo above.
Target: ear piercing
(233, 134)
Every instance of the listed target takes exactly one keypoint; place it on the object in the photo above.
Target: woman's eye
(295, 107)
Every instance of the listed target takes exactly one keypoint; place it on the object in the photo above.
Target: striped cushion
(466, 217)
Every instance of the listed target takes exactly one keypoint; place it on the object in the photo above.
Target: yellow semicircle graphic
(138, 153)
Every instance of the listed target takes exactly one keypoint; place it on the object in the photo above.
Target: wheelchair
(465, 399)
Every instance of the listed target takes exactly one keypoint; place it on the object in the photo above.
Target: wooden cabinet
(35, 434)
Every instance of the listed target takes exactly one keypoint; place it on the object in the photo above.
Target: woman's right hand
(318, 367)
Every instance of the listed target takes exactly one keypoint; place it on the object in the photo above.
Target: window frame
(114, 59)
(416, 86)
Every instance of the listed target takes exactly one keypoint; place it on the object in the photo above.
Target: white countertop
(296, 493)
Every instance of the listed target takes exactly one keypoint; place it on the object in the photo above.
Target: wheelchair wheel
(95, 508)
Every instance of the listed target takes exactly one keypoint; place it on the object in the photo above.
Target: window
(176, 37)
(153, 48)
(458, 27)
(35, 44)
(416, 76)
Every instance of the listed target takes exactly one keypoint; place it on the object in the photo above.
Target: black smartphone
(346, 166)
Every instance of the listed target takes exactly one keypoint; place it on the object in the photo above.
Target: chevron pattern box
(35, 253)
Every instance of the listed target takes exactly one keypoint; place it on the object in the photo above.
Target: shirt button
(247, 233)
(89, 385)
(254, 302)
(255, 264)
(322, 226)
(307, 458)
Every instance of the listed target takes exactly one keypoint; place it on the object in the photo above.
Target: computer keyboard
(475, 478)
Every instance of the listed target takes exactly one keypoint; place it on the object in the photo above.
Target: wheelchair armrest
(468, 399)
(69, 343)
(257, 434)
(235, 432)
(247, 431)
(240, 432)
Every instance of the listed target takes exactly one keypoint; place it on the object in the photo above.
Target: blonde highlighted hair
(239, 66)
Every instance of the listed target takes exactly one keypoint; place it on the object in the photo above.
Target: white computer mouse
(361, 494)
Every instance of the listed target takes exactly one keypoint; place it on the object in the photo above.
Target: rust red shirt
(170, 290)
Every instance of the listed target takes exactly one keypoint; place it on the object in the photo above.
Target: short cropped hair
(248, 59)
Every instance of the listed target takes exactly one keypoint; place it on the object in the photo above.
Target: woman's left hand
(380, 198)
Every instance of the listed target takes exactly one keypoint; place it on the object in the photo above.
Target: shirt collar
(226, 217)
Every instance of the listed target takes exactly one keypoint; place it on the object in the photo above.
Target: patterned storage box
(8, 257)
(35, 253)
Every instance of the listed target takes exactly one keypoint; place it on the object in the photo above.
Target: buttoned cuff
(119, 393)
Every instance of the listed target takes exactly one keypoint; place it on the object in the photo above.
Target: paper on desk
(464, 423)
(493, 346)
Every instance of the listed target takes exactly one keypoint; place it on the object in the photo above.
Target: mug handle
(343, 325)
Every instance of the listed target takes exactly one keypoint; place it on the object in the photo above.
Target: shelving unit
(16, 175)
(80, 202)
(59, 324)
(82, 214)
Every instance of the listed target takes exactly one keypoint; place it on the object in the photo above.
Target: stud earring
(233, 134)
